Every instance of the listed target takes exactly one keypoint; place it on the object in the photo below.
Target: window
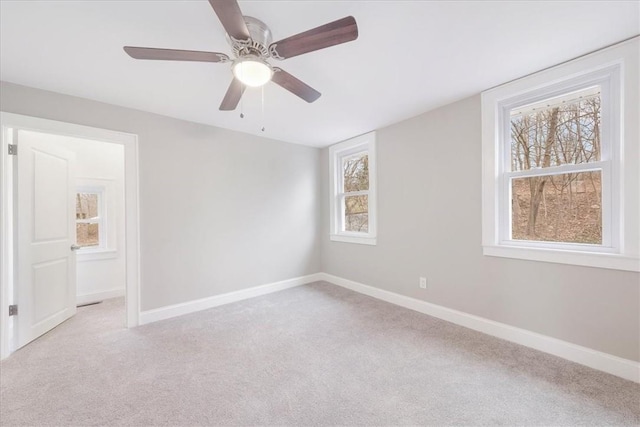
(558, 172)
(353, 191)
(90, 224)
(554, 187)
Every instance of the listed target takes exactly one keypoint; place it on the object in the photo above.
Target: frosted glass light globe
(252, 72)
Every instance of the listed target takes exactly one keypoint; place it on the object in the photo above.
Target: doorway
(86, 210)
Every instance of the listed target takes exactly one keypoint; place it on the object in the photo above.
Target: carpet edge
(618, 366)
(175, 310)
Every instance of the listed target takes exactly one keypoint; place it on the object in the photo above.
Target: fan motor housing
(259, 43)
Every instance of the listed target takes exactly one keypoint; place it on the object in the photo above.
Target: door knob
(75, 247)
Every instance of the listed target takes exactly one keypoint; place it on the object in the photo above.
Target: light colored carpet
(312, 355)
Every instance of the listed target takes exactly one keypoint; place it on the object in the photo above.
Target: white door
(46, 280)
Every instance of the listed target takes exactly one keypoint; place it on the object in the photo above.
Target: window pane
(356, 213)
(86, 205)
(356, 172)
(558, 208)
(87, 235)
(557, 131)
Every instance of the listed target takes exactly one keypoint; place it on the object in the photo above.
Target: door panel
(46, 230)
(48, 278)
(50, 187)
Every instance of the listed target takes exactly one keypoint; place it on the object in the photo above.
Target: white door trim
(130, 144)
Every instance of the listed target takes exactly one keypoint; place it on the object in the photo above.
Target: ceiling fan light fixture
(252, 71)
(252, 44)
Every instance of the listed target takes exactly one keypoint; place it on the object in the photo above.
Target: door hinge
(13, 310)
(13, 150)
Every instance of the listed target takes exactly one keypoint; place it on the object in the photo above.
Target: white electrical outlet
(423, 283)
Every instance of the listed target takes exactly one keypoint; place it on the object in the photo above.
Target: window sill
(96, 255)
(353, 239)
(588, 259)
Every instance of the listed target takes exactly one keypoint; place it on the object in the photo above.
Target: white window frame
(108, 247)
(607, 79)
(615, 70)
(101, 219)
(338, 152)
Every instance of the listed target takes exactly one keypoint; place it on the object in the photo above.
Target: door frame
(132, 219)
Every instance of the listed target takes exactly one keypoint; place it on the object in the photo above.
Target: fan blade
(230, 16)
(336, 32)
(293, 85)
(233, 95)
(174, 54)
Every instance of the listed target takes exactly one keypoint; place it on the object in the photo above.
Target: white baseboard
(174, 310)
(99, 296)
(624, 368)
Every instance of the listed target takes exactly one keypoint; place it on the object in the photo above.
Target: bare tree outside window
(356, 207)
(564, 207)
(87, 220)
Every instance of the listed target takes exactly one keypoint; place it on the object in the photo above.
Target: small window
(355, 178)
(90, 233)
(353, 201)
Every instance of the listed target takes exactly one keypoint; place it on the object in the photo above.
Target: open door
(46, 267)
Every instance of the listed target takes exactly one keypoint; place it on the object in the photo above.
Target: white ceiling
(410, 57)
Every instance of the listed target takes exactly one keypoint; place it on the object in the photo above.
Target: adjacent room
(332, 213)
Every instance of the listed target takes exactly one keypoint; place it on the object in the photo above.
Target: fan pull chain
(262, 108)
(241, 97)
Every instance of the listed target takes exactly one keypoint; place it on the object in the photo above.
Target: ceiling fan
(251, 43)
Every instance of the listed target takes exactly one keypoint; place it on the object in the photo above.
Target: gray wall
(429, 224)
(222, 211)
(219, 210)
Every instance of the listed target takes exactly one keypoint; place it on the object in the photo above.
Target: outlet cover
(423, 283)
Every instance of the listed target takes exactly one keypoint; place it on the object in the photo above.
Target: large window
(559, 171)
(353, 196)
(554, 184)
